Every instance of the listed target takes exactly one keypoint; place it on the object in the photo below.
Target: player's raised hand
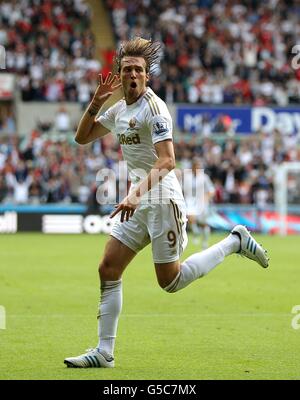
(106, 86)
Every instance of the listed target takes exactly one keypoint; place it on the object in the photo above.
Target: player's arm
(160, 125)
(88, 128)
(163, 165)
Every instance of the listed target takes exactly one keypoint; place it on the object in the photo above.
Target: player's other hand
(106, 86)
(127, 207)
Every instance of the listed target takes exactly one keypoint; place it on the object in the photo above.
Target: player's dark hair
(139, 47)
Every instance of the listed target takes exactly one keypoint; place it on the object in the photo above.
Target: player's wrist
(134, 198)
(94, 108)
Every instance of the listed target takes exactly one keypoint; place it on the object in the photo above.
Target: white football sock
(109, 310)
(231, 244)
(199, 264)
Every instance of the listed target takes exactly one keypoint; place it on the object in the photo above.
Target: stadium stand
(50, 46)
(218, 51)
(228, 52)
(40, 170)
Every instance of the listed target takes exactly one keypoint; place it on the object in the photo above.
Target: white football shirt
(138, 127)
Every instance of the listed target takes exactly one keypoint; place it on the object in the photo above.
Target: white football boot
(91, 359)
(249, 246)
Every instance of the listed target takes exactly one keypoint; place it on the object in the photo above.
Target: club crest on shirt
(132, 123)
(160, 127)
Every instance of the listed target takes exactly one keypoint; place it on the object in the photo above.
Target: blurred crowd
(218, 51)
(37, 169)
(215, 51)
(243, 171)
(50, 46)
(41, 170)
(7, 119)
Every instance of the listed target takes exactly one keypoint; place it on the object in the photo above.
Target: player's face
(133, 77)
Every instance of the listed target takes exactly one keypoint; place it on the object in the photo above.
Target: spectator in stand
(215, 51)
(7, 120)
(35, 190)
(39, 169)
(218, 51)
(49, 45)
(20, 188)
(62, 120)
(3, 188)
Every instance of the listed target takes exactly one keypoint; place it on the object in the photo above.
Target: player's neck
(133, 99)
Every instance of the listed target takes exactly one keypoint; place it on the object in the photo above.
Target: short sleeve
(108, 119)
(160, 126)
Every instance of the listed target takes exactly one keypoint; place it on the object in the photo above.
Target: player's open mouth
(133, 85)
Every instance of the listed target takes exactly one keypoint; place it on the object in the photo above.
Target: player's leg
(171, 240)
(116, 258)
(127, 239)
(176, 275)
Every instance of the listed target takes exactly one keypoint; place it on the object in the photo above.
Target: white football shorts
(164, 225)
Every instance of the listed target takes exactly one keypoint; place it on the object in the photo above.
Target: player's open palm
(106, 86)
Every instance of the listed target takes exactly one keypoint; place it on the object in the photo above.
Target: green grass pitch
(234, 323)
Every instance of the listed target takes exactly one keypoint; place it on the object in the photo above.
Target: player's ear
(147, 76)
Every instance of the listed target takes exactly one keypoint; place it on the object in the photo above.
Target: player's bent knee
(172, 286)
(162, 284)
(167, 274)
(168, 291)
(165, 283)
(107, 270)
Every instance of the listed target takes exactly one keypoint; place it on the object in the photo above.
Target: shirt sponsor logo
(160, 127)
(128, 140)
